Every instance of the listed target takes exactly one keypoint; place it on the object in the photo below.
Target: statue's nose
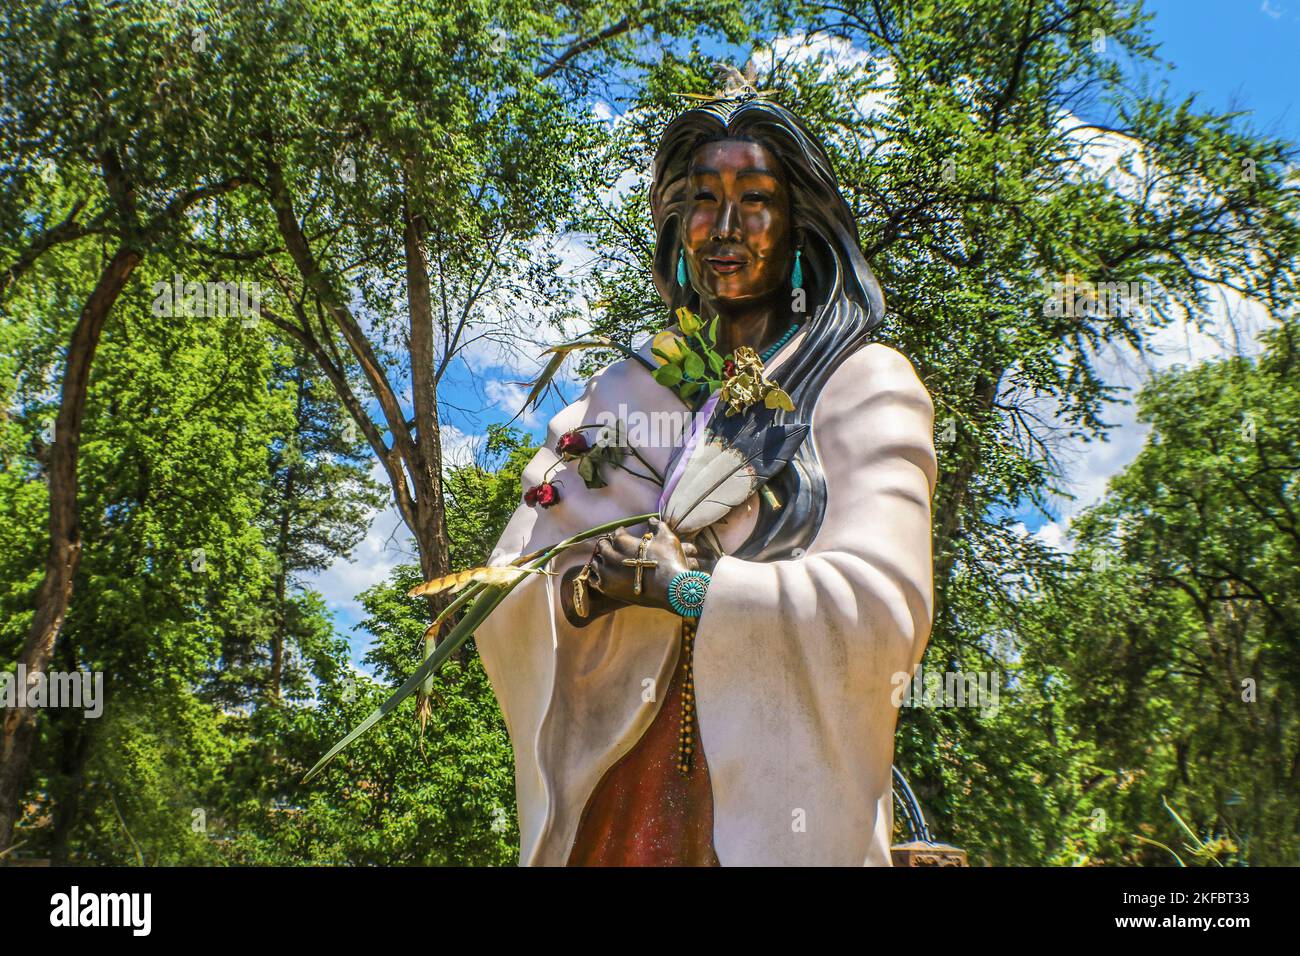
(727, 226)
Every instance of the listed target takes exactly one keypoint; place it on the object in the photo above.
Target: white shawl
(794, 658)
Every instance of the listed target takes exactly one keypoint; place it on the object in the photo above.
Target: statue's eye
(755, 197)
(703, 196)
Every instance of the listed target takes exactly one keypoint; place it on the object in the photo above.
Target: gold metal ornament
(640, 562)
(580, 591)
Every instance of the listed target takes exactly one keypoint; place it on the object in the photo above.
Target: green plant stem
(653, 470)
(637, 474)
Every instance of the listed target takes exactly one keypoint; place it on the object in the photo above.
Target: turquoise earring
(796, 277)
(681, 268)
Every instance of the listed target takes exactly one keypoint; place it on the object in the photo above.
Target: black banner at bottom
(912, 906)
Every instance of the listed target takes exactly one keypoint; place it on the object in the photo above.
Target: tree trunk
(415, 455)
(67, 807)
(65, 533)
(281, 595)
(955, 486)
(282, 552)
(75, 734)
(430, 509)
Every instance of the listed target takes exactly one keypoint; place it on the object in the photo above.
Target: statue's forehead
(734, 154)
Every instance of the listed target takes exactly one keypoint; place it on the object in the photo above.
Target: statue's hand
(620, 580)
(617, 580)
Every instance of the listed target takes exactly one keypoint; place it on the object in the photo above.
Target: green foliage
(482, 497)
(1192, 689)
(444, 797)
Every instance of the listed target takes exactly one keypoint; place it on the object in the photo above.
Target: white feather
(716, 479)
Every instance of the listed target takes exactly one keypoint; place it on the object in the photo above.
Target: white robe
(795, 660)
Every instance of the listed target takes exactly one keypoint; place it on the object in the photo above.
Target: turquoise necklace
(776, 346)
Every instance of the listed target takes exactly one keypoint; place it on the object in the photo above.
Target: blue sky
(1242, 54)
(1233, 54)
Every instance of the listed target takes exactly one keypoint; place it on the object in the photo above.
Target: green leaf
(540, 383)
(1163, 847)
(589, 472)
(462, 632)
(694, 365)
(777, 398)
(668, 375)
(559, 353)
(492, 595)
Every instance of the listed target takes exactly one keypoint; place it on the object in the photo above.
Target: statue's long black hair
(844, 300)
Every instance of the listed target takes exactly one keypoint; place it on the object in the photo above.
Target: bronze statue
(723, 695)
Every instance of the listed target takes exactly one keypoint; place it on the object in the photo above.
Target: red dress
(644, 811)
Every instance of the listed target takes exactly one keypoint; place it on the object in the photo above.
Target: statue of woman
(691, 705)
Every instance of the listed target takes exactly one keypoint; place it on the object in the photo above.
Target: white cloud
(1053, 535)
(458, 447)
(373, 560)
(509, 398)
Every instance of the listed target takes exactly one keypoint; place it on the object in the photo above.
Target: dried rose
(530, 496)
(747, 383)
(547, 494)
(572, 445)
(747, 360)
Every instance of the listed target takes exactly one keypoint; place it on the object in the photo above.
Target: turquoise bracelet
(686, 592)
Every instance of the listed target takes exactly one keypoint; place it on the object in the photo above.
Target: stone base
(927, 854)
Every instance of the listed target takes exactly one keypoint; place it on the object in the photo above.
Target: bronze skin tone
(739, 241)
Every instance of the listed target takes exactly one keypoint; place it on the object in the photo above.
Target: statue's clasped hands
(631, 569)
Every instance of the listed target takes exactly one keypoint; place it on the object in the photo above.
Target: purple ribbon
(698, 424)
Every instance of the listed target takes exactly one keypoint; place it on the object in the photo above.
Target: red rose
(728, 368)
(530, 496)
(547, 494)
(572, 444)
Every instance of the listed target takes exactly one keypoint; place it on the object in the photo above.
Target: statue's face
(738, 236)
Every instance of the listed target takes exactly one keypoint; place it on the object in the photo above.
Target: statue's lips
(725, 265)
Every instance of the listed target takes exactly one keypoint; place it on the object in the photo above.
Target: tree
(413, 176)
(1180, 628)
(123, 170)
(320, 505)
(439, 792)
